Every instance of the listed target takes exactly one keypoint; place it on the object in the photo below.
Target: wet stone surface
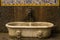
(5, 36)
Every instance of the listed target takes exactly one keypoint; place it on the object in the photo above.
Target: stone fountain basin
(29, 29)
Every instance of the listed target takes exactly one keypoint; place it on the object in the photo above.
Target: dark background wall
(50, 14)
(6, 15)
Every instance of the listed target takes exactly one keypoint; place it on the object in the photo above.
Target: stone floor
(5, 36)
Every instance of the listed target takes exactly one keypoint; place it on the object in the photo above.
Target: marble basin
(29, 29)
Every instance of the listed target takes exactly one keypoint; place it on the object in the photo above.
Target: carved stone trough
(29, 29)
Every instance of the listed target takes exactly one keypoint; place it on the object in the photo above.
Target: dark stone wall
(50, 14)
(6, 15)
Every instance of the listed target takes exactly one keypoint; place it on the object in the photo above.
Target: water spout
(30, 17)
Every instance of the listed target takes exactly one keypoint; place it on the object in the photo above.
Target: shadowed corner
(0, 2)
(54, 33)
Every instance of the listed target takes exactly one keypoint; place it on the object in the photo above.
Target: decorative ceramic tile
(30, 2)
